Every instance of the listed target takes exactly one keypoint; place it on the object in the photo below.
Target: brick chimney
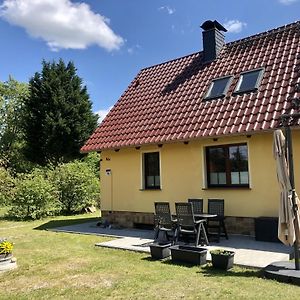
(213, 39)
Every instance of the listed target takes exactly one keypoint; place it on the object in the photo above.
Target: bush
(35, 196)
(77, 186)
(6, 187)
(93, 161)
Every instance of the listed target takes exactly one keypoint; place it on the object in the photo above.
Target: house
(200, 126)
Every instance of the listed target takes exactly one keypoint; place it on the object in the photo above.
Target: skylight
(249, 81)
(218, 87)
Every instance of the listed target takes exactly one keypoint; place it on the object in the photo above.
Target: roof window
(218, 87)
(249, 81)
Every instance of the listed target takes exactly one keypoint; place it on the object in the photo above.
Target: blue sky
(111, 40)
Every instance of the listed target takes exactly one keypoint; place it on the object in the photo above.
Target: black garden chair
(164, 222)
(217, 224)
(187, 225)
(197, 205)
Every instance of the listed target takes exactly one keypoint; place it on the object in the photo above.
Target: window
(227, 166)
(218, 87)
(249, 81)
(151, 170)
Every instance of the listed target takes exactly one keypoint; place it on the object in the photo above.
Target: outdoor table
(205, 216)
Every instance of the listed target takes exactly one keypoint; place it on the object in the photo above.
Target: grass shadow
(151, 259)
(177, 263)
(168, 261)
(67, 222)
(209, 271)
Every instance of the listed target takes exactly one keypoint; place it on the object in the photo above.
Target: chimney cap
(207, 25)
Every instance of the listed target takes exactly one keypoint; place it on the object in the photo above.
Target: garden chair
(187, 225)
(164, 222)
(197, 206)
(216, 207)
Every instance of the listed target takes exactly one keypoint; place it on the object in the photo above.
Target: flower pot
(5, 258)
(222, 261)
(188, 254)
(160, 250)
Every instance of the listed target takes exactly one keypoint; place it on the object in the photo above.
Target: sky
(109, 41)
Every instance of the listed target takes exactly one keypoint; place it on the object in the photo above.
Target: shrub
(77, 186)
(6, 187)
(35, 196)
(93, 161)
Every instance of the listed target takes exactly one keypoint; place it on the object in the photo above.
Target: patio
(249, 252)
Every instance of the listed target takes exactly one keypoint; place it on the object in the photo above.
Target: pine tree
(59, 115)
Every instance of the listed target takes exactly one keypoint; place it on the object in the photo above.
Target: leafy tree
(35, 196)
(6, 187)
(59, 115)
(93, 161)
(13, 94)
(77, 186)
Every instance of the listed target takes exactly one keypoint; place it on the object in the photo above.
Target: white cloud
(287, 2)
(234, 26)
(167, 9)
(61, 23)
(133, 49)
(102, 113)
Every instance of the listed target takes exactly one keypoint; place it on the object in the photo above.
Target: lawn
(68, 266)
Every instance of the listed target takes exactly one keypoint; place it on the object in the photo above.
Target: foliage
(93, 161)
(77, 186)
(13, 94)
(221, 252)
(6, 247)
(59, 115)
(35, 196)
(6, 186)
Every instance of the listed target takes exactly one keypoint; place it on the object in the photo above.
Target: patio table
(205, 216)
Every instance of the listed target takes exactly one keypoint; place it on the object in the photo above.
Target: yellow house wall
(183, 177)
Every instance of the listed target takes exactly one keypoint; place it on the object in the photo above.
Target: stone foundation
(234, 225)
(127, 218)
(240, 225)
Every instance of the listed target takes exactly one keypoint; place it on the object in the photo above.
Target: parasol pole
(292, 180)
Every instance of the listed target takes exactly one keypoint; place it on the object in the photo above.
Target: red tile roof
(165, 102)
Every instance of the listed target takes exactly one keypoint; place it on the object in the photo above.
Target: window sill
(227, 188)
(156, 189)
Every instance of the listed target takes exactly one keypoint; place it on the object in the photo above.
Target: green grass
(68, 266)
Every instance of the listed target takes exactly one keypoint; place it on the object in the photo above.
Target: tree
(59, 115)
(13, 95)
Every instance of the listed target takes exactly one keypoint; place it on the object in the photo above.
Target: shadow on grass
(168, 261)
(209, 271)
(67, 222)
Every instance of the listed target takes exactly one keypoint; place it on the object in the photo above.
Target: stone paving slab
(249, 252)
(92, 228)
(258, 257)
